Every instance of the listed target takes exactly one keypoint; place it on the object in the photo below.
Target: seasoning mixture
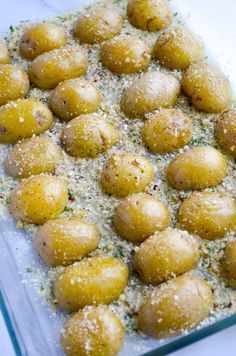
(88, 200)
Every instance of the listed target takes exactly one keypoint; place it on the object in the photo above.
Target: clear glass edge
(174, 345)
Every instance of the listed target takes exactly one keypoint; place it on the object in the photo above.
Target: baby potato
(198, 168)
(88, 136)
(32, 156)
(167, 131)
(51, 68)
(228, 263)
(139, 216)
(125, 54)
(225, 131)
(38, 199)
(74, 97)
(207, 86)
(4, 54)
(176, 306)
(23, 118)
(165, 255)
(98, 25)
(149, 15)
(14, 83)
(177, 47)
(95, 280)
(96, 326)
(64, 241)
(208, 214)
(125, 174)
(41, 38)
(152, 91)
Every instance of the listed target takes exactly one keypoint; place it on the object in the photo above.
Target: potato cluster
(163, 257)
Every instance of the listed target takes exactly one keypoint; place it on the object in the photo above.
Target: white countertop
(215, 22)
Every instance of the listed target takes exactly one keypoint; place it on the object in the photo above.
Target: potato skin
(14, 83)
(228, 263)
(74, 97)
(125, 54)
(225, 131)
(149, 15)
(4, 54)
(176, 306)
(165, 255)
(198, 168)
(88, 136)
(139, 216)
(95, 280)
(64, 241)
(98, 25)
(208, 214)
(41, 38)
(97, 326)
(31, 157)
(125, 174)
(23, 118)
(207, 86)
(152, 91)
(38, 199)
(51, 68)
(177, 48)
(167, 131)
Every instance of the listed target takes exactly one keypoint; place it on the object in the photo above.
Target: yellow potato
(139, 216)
(125, 174)
(176, 306)
(228, 263)
(125, 54)
(23, 118)
(95, 280)
(152, 91)
(165, 255)
(4, 54)
(64, 241)
(14, 83)
(207, 86)
(96, 326)
(33, 156)
(225, 131)
(198, 168)
(51, 68)
(149, 15)
(41, 38)
(38, 199)
(98, 25)
(210, 215)
(88, 136)
(74, 97)
(167, 131)
(178, 47)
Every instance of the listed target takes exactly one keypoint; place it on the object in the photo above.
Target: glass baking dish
(33, 327)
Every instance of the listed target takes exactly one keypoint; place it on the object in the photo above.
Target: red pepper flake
(181, 198)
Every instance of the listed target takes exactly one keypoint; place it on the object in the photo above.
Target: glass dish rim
(184, 340)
